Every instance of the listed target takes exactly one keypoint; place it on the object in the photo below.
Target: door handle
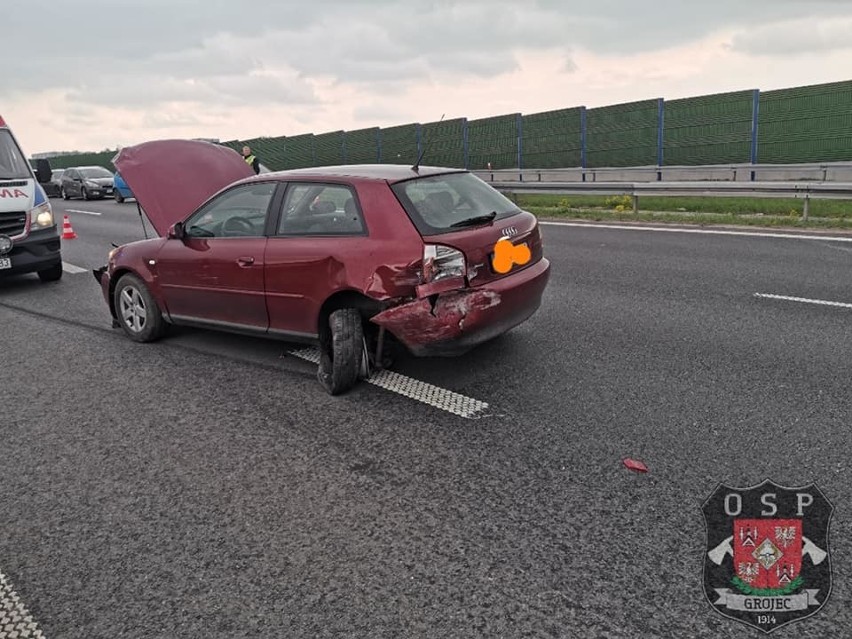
(245, 261)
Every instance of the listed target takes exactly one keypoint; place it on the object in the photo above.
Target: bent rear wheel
(343, 354)
(137, 311)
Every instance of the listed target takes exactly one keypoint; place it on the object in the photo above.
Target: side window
(239, 212)
(320, 209)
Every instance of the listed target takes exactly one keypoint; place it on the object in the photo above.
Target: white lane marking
(15, 620)
(435, 396)
(619, 227)
(805, 300)
(83, 212)
(70, 268)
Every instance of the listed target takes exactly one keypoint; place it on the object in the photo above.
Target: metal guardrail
(818, 172)
(797, 190)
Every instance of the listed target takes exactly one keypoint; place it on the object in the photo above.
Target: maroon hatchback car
(355, 259)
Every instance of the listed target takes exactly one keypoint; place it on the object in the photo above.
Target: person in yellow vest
(251, 159)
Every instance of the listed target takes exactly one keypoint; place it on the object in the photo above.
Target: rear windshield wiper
(479, 219)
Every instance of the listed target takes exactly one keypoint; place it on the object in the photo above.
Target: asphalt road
(206, 486)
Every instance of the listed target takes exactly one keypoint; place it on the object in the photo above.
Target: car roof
(385, 172)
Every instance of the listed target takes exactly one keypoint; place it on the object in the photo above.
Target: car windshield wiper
(479, 219)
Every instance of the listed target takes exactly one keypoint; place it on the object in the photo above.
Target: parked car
(347, 257)
(86, 182)
(54, 187)
(46, 176)
(120, 191)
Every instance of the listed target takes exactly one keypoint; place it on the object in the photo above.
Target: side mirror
(176, 231)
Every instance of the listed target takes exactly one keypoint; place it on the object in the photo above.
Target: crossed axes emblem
(717, 555)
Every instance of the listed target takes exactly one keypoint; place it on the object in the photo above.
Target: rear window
(436, 203)
(95, 172)
(13, 165)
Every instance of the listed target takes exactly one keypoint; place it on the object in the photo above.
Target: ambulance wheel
(51, 274)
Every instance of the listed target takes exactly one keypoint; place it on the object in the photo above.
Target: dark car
(86, 182)
(53, 188)
(347, 257)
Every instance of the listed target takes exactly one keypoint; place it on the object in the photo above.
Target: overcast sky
(94, 74)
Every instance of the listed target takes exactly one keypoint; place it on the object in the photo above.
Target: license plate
(514, 264)
(5, 262)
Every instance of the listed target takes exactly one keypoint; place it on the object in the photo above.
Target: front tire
(118, 197)
(138, 314)
(52, 274)
(342, 353)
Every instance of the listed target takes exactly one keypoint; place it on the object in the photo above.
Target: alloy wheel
(133, 310)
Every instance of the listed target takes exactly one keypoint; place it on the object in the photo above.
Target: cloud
(125, 70)
(791, 38)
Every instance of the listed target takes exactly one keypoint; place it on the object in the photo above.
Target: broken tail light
(442, 262)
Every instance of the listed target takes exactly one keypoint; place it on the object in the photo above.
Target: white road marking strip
(619, 227)
(83, 212)
(787, 298)
(15, 621)
(70, 268)
(435, 396)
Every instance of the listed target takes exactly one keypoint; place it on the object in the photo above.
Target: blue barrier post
(519, 126)
(660, 138)
(583, 140)
(755, 112)
(466, 144)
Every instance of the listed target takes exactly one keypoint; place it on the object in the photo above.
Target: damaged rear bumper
(453, 322)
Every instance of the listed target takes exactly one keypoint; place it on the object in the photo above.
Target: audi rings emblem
(509, 231)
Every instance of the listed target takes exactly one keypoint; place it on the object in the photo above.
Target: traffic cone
(67, 232)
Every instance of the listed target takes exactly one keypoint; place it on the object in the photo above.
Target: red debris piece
(636, 465)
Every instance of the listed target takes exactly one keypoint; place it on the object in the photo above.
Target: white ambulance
(29, 236)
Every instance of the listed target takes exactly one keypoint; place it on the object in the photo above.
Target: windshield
(13, 165)
(442, 203)
(95, 172)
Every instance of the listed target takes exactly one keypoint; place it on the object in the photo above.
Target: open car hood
(172, 178)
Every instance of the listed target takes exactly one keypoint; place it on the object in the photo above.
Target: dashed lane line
(415, 389)
(803, 300)
(15, 620)
(70, 268)
(83, 212)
